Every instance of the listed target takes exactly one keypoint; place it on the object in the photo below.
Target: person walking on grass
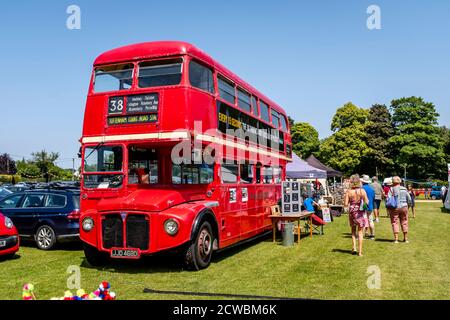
(387, 186)
(412, 204)
(397, 204)
(378, 188)
(356, 202)
(370, 192)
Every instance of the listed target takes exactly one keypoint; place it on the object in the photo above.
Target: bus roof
(149, 50)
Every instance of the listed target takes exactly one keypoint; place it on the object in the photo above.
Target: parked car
(46, 216)
(4, 192)
(17, 188)
(435, 193)
(9, 238)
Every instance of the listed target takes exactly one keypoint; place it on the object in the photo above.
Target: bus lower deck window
(267, 175)
(192, 174)
(246, 173)
(229, 173)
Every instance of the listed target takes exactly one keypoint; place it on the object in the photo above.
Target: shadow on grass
(10, 257)
(384, 240)
(342, 251)
(443, 210)
(60, 246)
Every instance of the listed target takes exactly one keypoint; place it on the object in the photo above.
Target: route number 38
(116, 105)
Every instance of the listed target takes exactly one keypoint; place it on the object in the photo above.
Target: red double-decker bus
(178, 153)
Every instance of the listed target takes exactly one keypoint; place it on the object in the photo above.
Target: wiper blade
(95, 149)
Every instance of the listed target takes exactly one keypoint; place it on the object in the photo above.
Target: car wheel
(94, 257)
(198, 254)
(45, 237)
(433, 198)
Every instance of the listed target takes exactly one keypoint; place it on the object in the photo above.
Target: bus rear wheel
(199, 253)
(94, 257)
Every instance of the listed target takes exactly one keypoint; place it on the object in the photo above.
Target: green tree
(379, 129)
(45, 162)
(28, 170)
(346, 147)
(347, 116)
(305, 139)
(416, 141)
(444, 132)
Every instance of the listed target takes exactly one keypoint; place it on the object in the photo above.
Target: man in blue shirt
(369, 212)
(309, 204)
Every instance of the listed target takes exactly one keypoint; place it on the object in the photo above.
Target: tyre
(45, 237)
(94, 257)
(433, 198)
(199, 253)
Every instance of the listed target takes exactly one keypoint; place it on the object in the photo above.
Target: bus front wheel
(199, 253)
(94, 257)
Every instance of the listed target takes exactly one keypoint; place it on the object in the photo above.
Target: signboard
(134, 109)
(291, 202)
(146, 118)
(326, 214)
(247, 127)
(144, 103)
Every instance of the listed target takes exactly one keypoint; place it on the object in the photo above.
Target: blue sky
(309, 56)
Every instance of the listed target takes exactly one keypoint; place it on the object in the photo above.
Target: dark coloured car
(46, 216)
(4, 192)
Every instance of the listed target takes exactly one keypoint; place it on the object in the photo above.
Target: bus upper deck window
(201, 77)
(160, 73)
(112, 78)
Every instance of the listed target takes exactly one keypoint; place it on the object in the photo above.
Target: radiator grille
(137, 231)
(112, 231)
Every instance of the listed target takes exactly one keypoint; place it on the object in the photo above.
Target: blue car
(435, 193)
(45, 216)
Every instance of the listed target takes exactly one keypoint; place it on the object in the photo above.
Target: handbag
(391, 201)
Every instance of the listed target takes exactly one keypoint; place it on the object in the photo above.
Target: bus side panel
(230, 216)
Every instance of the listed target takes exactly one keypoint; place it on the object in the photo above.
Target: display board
(291, 202)
(326, 214)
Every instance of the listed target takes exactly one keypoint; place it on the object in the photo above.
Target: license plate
(125, 253)
(2, 244)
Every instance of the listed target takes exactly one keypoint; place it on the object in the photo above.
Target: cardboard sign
(326, 214)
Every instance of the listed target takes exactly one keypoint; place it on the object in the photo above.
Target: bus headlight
(87, 224)
(171, 227)
(8, 223)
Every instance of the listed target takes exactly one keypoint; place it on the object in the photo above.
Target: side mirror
(79, 153)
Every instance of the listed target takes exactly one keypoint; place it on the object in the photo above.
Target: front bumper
(11, 245)
(136, 230)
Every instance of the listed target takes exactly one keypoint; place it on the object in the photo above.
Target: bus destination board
(146, 118)
(134, 109)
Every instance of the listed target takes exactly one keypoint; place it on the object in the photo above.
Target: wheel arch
(205, 215)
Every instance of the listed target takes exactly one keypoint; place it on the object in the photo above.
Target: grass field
(321, 267)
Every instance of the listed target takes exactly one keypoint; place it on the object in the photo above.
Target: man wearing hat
(369, 212)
